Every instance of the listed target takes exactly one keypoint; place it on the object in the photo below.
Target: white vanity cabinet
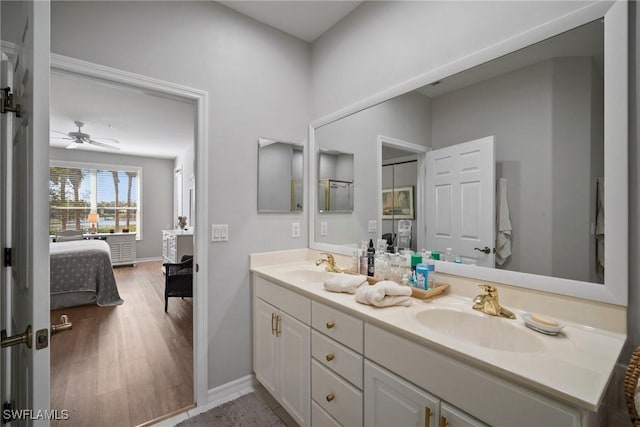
(391, 400)
(282, 347)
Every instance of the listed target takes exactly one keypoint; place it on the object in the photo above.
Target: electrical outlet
(219, 232)
(295, 229)
(324, 229)
(373, 226)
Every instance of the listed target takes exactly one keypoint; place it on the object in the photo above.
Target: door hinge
(7, 103)
(7, 408)
(6, 257)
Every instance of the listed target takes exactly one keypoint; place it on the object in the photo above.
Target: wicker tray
(415, 292)
(426, 294)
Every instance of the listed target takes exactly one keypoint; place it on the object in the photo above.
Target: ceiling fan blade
(110, 139)
(71, 145)
(100, 144)
(61, 137)
(57, 131)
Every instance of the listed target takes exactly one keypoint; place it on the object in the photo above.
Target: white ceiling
(306, 20)
(146, 124)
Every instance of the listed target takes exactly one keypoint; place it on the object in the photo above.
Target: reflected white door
(28, 145)
(460, 200)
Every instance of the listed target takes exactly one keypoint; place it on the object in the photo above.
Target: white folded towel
(342, 282)
(384, 294)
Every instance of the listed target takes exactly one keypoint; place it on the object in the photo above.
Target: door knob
(23, 338)
(64, 325)
(486, 250)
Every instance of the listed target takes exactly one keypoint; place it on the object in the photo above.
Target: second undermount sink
(491, 332)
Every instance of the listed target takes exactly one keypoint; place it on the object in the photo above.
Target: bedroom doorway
(128, 356)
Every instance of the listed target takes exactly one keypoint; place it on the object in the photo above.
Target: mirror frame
(615, 288)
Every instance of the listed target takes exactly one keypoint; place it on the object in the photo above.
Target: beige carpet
(246, 411)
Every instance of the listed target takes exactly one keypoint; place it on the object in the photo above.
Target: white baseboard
(231, 390)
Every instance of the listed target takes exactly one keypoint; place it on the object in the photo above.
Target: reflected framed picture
(397, 203)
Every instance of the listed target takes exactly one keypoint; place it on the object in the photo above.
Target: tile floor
(260, 391)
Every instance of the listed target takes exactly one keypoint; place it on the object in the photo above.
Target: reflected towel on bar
(503, 224)
(342, 282)
(384, 294)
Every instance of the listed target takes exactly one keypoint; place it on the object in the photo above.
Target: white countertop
(574, 366)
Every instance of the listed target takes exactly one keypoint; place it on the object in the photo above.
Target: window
(77, 189)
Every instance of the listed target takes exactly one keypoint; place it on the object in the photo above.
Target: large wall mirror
(280, 176)
(555, 109)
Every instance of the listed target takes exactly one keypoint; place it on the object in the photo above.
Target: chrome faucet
(331, 263)
(488, 303)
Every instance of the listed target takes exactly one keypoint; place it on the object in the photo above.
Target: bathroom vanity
(329, 360)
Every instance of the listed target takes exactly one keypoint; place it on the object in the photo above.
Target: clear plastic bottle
(381, 271)
(448, 255)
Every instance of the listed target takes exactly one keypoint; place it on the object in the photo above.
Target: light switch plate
(295, 229)
(219, 232)
(324, 229)
(373, 226)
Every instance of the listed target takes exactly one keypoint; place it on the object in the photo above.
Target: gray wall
(257, 79)
(405, 118)
(157, 192)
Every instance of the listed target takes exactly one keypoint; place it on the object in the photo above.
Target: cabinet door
(454, 417)
(265, 346)
(391, 401)
(294, 343)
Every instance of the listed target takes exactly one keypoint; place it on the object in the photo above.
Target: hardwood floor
(124, 365)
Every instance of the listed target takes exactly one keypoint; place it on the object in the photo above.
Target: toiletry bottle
(422, 274)
(355, 262)
(431, 277)
(371, 253)
(415, 260)
(363, 258)
(448, 255)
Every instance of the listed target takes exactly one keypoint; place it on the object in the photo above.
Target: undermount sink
(307, 276)
(491, 332)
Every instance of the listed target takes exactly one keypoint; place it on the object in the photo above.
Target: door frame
(421, 152)
(201, 254)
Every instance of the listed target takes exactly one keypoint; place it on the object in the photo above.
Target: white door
(392, 401)
(265, 348)
(28, 185)
(295, 368)
(460, 200)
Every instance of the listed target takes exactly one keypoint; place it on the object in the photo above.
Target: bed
(81, 273)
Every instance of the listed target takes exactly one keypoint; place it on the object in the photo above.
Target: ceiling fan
(79, 138)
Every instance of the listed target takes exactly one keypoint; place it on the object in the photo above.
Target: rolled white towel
(384, 294)
(342, 282)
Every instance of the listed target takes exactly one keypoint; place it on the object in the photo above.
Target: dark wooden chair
(178, 279)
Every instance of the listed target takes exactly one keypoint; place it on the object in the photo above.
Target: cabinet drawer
(340, 326)
(339, 398)
(320, 417)
(337, 357)
(288, 301)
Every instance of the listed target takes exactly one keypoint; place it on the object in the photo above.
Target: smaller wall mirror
(280, 176)
(335, 181)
